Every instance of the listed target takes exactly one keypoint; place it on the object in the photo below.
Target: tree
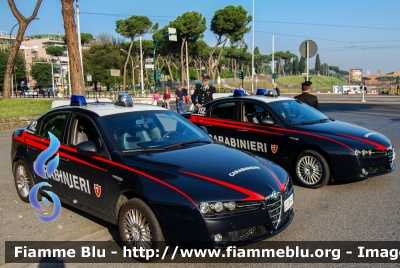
(317, 64)
(227, 23)
(55, 51)
(256, 51)
(86, 38)
(190, 26)
(23, 24)
(19, 70)
(99, 59)
(296, 66)
(73, 47)
(132, 28)
(41, 72)
(302, 65)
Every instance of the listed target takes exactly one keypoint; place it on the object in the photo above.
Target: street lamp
(12, 91)
(133, 68)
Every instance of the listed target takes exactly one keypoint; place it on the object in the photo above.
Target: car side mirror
(267, 121)
(186, 114)
(87, 147)
(204, 129)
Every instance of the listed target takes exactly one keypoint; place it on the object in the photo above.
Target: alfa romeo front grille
(249, 233)
(274, 206)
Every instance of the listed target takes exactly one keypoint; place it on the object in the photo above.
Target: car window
(224, 110)
(295, 112)
(82, 130)
(254, 113)
(55, 124)
(130, 131)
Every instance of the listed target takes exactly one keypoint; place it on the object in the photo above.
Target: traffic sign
(149, 60)
(172, 34)
(149, 66)
(89, 77)
(312, 49)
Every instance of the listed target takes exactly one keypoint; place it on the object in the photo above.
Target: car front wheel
(139, 227)
(311, 169)
(23, 180)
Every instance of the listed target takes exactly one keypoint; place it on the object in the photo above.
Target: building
(373, 79)
(34, 47)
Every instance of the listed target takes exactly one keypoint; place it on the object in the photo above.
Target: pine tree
(317, 64)
(296, 66)
(302, 65)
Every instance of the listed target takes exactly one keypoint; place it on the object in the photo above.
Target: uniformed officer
(306, 97)
(203, 91)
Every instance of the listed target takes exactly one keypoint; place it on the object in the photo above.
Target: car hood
(213, 172)
(355, 136)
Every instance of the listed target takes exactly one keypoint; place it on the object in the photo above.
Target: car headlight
(367, 152)
(288, 186)
(217, 209)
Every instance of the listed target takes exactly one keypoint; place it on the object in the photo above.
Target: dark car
(315, 148)
(156, 175)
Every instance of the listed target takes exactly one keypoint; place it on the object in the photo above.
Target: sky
(349, 34)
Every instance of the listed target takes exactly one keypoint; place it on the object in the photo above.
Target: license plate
(394, 154)
(288, 203)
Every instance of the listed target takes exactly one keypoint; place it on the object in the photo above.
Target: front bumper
(353, 167)
(241, 229)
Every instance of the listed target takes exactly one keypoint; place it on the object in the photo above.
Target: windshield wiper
(309, 122)
(182, 143)
(143, 150)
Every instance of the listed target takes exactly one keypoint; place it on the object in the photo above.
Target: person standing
(167, 98)
(240, 87)
(306, 97)
(180, 97)
(203, 91)
(156, 98)
(275, 86)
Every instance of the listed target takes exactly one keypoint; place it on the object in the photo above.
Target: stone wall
(10, 124)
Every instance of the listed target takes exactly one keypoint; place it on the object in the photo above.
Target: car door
(86, 174)
(219, 120)
(264, 139)
(39, 142)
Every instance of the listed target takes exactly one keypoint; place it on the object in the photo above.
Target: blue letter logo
(40, 162)
(35, 202)
(39, 167)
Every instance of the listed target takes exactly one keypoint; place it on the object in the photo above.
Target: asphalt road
(364, 210)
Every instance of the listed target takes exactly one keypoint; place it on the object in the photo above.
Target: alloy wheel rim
(136, 229)
(309, 170)
(23, 181)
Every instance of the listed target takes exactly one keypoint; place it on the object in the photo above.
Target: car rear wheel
(311, 169)
(23, 180)
(139, 227)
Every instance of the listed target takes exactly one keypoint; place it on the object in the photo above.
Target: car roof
(266, 99)
(104, 109)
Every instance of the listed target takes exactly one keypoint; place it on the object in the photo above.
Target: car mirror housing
(204, 129)
(268, 121)
(87, 147)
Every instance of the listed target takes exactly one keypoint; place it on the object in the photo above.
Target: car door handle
(207, 125)
(117, 178)
(242, 130)
(64, 159)
(33, 148)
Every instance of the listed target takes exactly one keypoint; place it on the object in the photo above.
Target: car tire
(139, 227)
(23, 180)
(311, 169)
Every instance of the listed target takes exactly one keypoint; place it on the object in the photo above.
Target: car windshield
(151, 131)
(295, 112)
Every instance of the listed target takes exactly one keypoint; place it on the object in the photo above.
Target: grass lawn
(23, 107)
(318, 82)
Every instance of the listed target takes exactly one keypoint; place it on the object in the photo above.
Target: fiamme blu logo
(46, 170)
